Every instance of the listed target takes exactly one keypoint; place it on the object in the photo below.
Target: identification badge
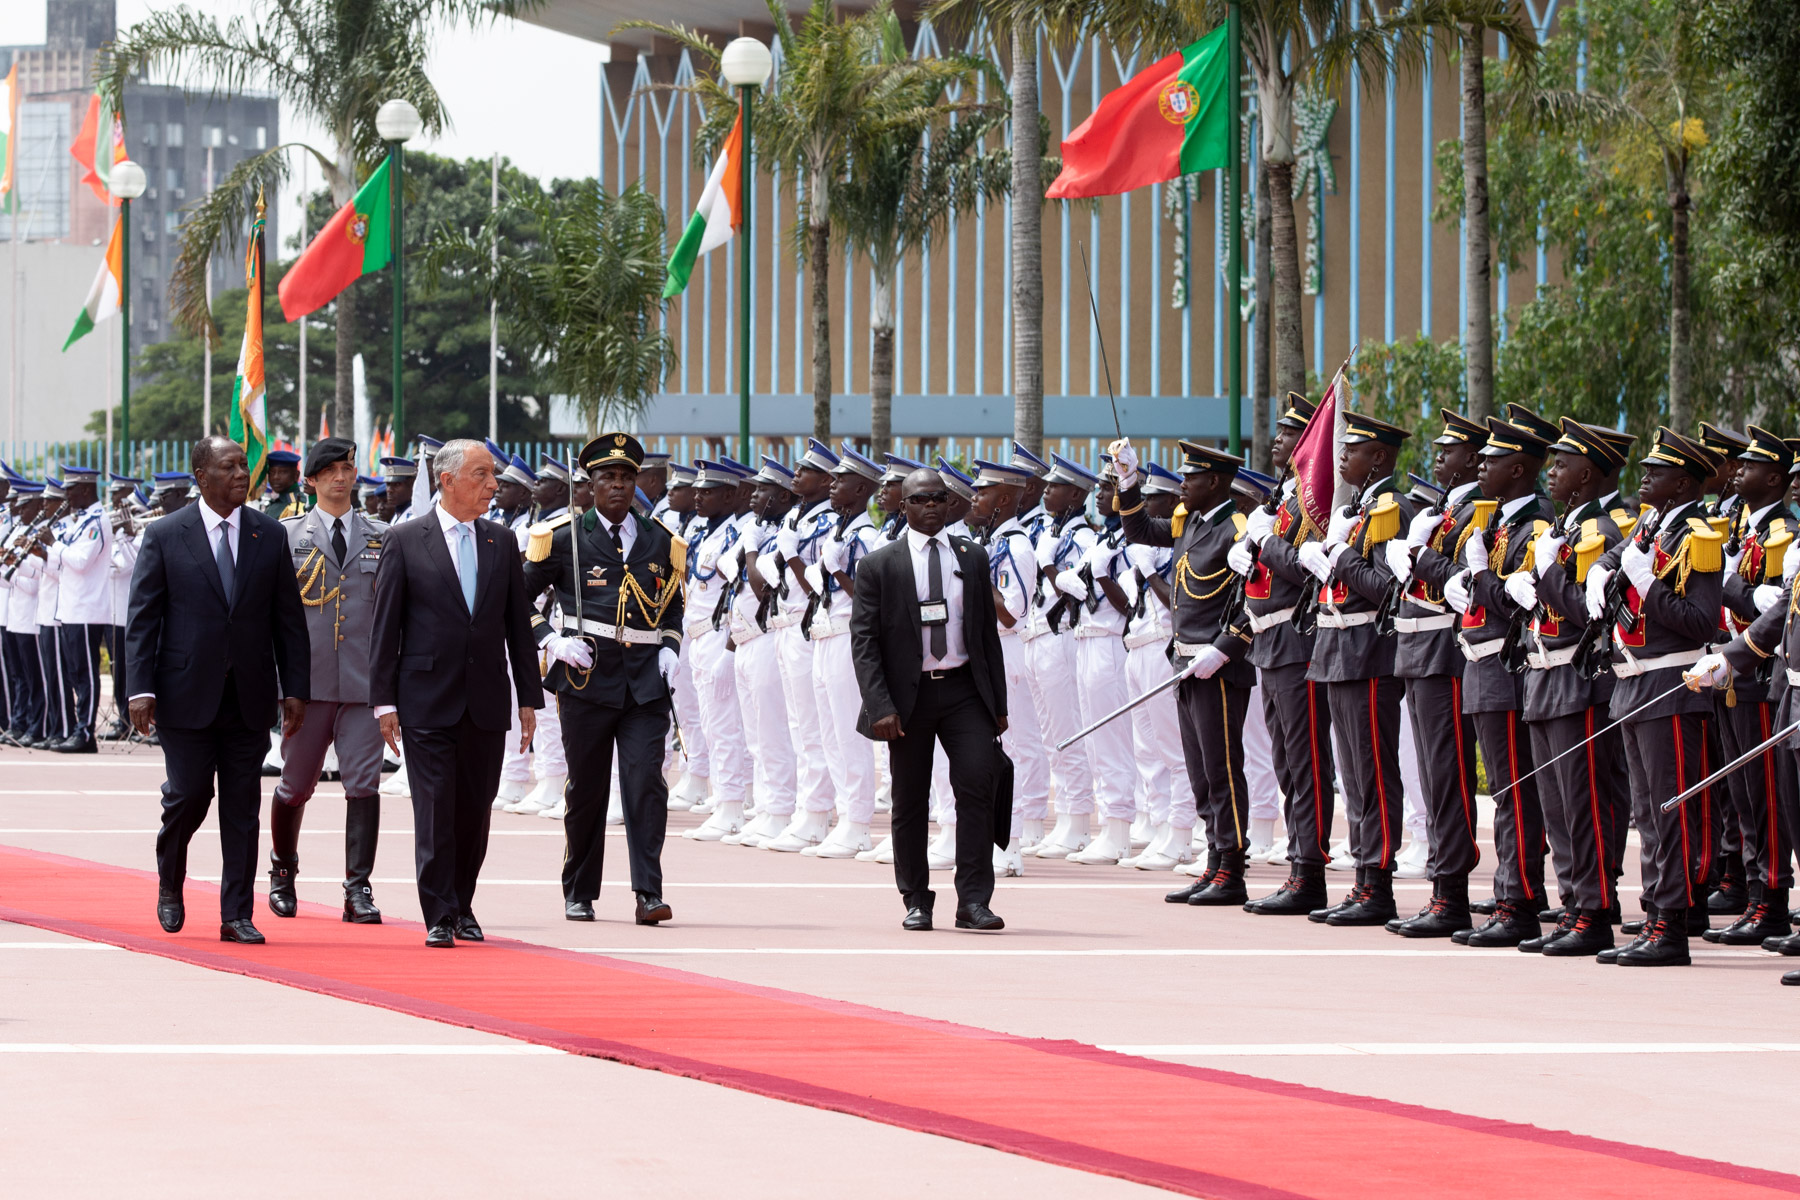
(934, 612)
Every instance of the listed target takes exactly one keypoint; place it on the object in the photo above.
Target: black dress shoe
(1634, 926)
(76, 745)
(1788, 947)
(1552, 916)
(359, 907)
(241, 930)
(466, 930)
(1511, 925)
(918, 920)
(980, 917)
(1587, 934)
(578, 910)
(652, 908)
(441, 935)
(1791, 979)
(170, 911)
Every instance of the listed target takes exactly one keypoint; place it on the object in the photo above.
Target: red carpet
(1188, 1129)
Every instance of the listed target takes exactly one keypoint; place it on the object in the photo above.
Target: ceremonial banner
(353, 243)
(249, 420)
(103, 297)
(1315, 459)
(1171, 119)
(716, 218)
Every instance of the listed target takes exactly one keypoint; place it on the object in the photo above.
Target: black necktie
(618, 539)
(337, 539)
(934, 583)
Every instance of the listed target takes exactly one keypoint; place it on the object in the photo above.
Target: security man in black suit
(618, 579)
(1212, 702)
(925, 640)
(214, 633)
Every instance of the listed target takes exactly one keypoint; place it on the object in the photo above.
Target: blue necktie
(227, 569)
(465, 565)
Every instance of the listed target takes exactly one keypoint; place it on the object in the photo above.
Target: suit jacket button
(471, 660)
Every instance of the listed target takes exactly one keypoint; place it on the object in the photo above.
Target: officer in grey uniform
(336, 550)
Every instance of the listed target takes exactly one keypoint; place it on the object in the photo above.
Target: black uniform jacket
(1680, 615)
(1561, 690)
(1200, 582)
(1434, 650)
(1359, 584)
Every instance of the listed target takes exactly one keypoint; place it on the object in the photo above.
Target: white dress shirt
(628, 530)
(956, 654)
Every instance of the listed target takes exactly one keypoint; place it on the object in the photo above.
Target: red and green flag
(1171, 119)
(353, 243)
(98, 145)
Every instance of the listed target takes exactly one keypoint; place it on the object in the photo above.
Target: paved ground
(188, 1065)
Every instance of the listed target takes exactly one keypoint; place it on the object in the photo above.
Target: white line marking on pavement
(1450, 1049)
(425, 1050)
(924, 952)
(56, 946)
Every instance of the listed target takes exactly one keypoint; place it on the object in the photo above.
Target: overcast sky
(524, 91)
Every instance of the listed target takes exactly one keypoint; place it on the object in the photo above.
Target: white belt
(1190, 649)
(1329, 619)
(1433, 605)
(1543, 660)
(1476, 651)
(1262, 621)
(745, 630)
(1634, 666)
(786, 620)
(1090, 630)
(1146, 637)
(612, 633)
(1423, 624)
(827, 627)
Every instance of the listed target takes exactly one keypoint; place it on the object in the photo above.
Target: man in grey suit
(335, 551)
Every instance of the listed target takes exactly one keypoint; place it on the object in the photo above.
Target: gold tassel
(1775, 549)
(1178, 521)
(1705, 546)
(1588, 551)
(1239, 522)
(537, 549)
(1383, 522)
(1484, 512)
(678, 552)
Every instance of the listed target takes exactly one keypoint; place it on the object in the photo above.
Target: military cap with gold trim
(1361, 427)
(1670, 449)
(1196, 458)
(1522, 417)
(993, 474)
(1459, 430)
(611, 450)
(1591, 444)
(709, 474)
(1505, 438)
(1159, 480)
(1765, 447)
(774, 472)
(1299, 411)
(1723, 443)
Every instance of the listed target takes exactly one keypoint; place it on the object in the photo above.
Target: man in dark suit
(450, 611)
(926, 644)
(216, 628)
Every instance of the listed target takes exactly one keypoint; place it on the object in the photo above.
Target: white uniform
(1100, 677)
(81, 559)
(1053, 674)
(796, 652)
(686, 697)
(1014, 574)
(758, 670)
(714, 676)
(1155, 728)
(849, 756)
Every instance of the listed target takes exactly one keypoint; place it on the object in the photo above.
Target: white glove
(1208, 662)
(1069, 583)
(1638, 567)
(1420, 531)
(1046, 550)
(1732, 560)
(1547, 550)
(770, 568)
(835, 555)
(1099, 559)
(569, 651)
(787, 543)
(1766, 596)
(1125, 463)
(1456, 592)
(730, 559)
(1475, 551)
(1258, 526)
(1521, 590)
(1596, 592)
(1240, 558)
(1315, 559)
(1711, 671)
(667, 661)
(1399, 559)
(1339, 527)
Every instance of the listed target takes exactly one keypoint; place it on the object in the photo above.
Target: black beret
(325, 451)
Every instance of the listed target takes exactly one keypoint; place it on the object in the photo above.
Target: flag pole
(301, 436)
(1234, 256)
(494, 303)
(745, 188)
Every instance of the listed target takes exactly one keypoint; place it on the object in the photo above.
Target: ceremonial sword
(1101, 339)
(1740, 761)
(1116, 713)
(1578, 745)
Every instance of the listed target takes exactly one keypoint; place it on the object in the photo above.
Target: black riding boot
(362, 828)
(284, 856)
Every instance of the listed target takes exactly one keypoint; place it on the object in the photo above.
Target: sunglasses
(929, 498)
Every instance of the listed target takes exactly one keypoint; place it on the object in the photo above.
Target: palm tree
(334, 62)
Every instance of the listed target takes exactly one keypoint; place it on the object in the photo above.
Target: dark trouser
(1445, 739)
(1667, 755)
(79, 646)
(589, 732)
(1211, 714)
(1365, 719)
(454, 773)
(232, 752)
(1299, 721)
(25, 683)
(1758, 827)
(115, 646)
(56, 697)
(1722, 799)
(1581, 789)
(1518, 815)
(948, 710)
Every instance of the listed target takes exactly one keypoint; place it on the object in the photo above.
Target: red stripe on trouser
(1687, 862)
(1518, 800)
(1318, 788)
(1462, 773)
(1387, 849)
(1769, 799)
(1600, 854)
(1703, 863)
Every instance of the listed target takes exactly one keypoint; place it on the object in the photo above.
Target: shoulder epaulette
(1717, 524)
(1775, 547)
(1705, 546)
(1384, 521)
(541, 535)
(1178, 521)
(678, 552)
(1239, 522)
(1588, 550)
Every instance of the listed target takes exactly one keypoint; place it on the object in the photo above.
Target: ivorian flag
(249, 419)
(1171, 119)
(716, 218)
(9, 123)
(99, 145)
(353, 243)
(103, 297)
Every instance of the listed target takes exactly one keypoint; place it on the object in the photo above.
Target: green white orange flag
(9, 123)
(717, 217)
(249, 418)
(1171, 119)
(103, 297)
(354, 243)
(99, 145)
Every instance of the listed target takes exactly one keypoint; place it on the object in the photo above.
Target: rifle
(1306, 613)
(15, 557)
(1593, 653)
(1236, 600)
(1396, 593)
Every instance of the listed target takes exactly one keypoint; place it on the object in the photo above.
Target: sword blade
(1578, 745)
(1742, 760)
(1100, 337)
(1116, 713)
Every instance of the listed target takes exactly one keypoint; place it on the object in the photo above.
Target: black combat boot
(1351, 897)
(1589, 933)
(1640, 931)
(1227, 884)
(1201, 881)
(284, 856)
(1767, 917)
(1375, 907)
(1513, 923)
(1665, 943)
(1303, 891)
(1565, 921)
(362, 828)
(1732, 896)
(1445, 916)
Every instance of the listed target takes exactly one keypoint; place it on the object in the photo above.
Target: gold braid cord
(1184, 572)
(315, 563)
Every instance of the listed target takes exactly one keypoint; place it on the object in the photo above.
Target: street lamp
(127, 182)
(397, 122)
(745, 64)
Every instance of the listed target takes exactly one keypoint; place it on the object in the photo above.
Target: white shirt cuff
(140, 696)
(382, 710)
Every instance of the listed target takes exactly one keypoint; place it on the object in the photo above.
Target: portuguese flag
(1171, 119)
(716, 218)
(249, 425)
(353, 243)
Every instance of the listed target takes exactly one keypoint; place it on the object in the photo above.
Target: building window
(176, 135)
(262, 137)
(150, 133)
(171, 222)
(212, 135)
(172, 177)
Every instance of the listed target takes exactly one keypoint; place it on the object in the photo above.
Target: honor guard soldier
(1354, 658)
(80, 560)
(58, 720)
(710, 570)
(126, 510)
(512, 498)
(336, 551)
(1661, 591)
(887, 498)
(1726, 889)
(1211, 643)
(18, 589)
(1295, 708)
(283, 496)
(401, 475)
(653, 481)
(676, 511)
(1032, 514)
(618, 580)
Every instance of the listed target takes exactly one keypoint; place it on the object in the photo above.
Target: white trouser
(515, 765)
(687, 714)
(766, 724)
(1052, 659)
(1100, 686)
(795, 655)
(1024, 737)
(1413, 816)
(1259, 762)
(849, 756)
(715, 682)
(1156, 738)
(547, 758)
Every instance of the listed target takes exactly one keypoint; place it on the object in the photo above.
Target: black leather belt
(949, 673)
